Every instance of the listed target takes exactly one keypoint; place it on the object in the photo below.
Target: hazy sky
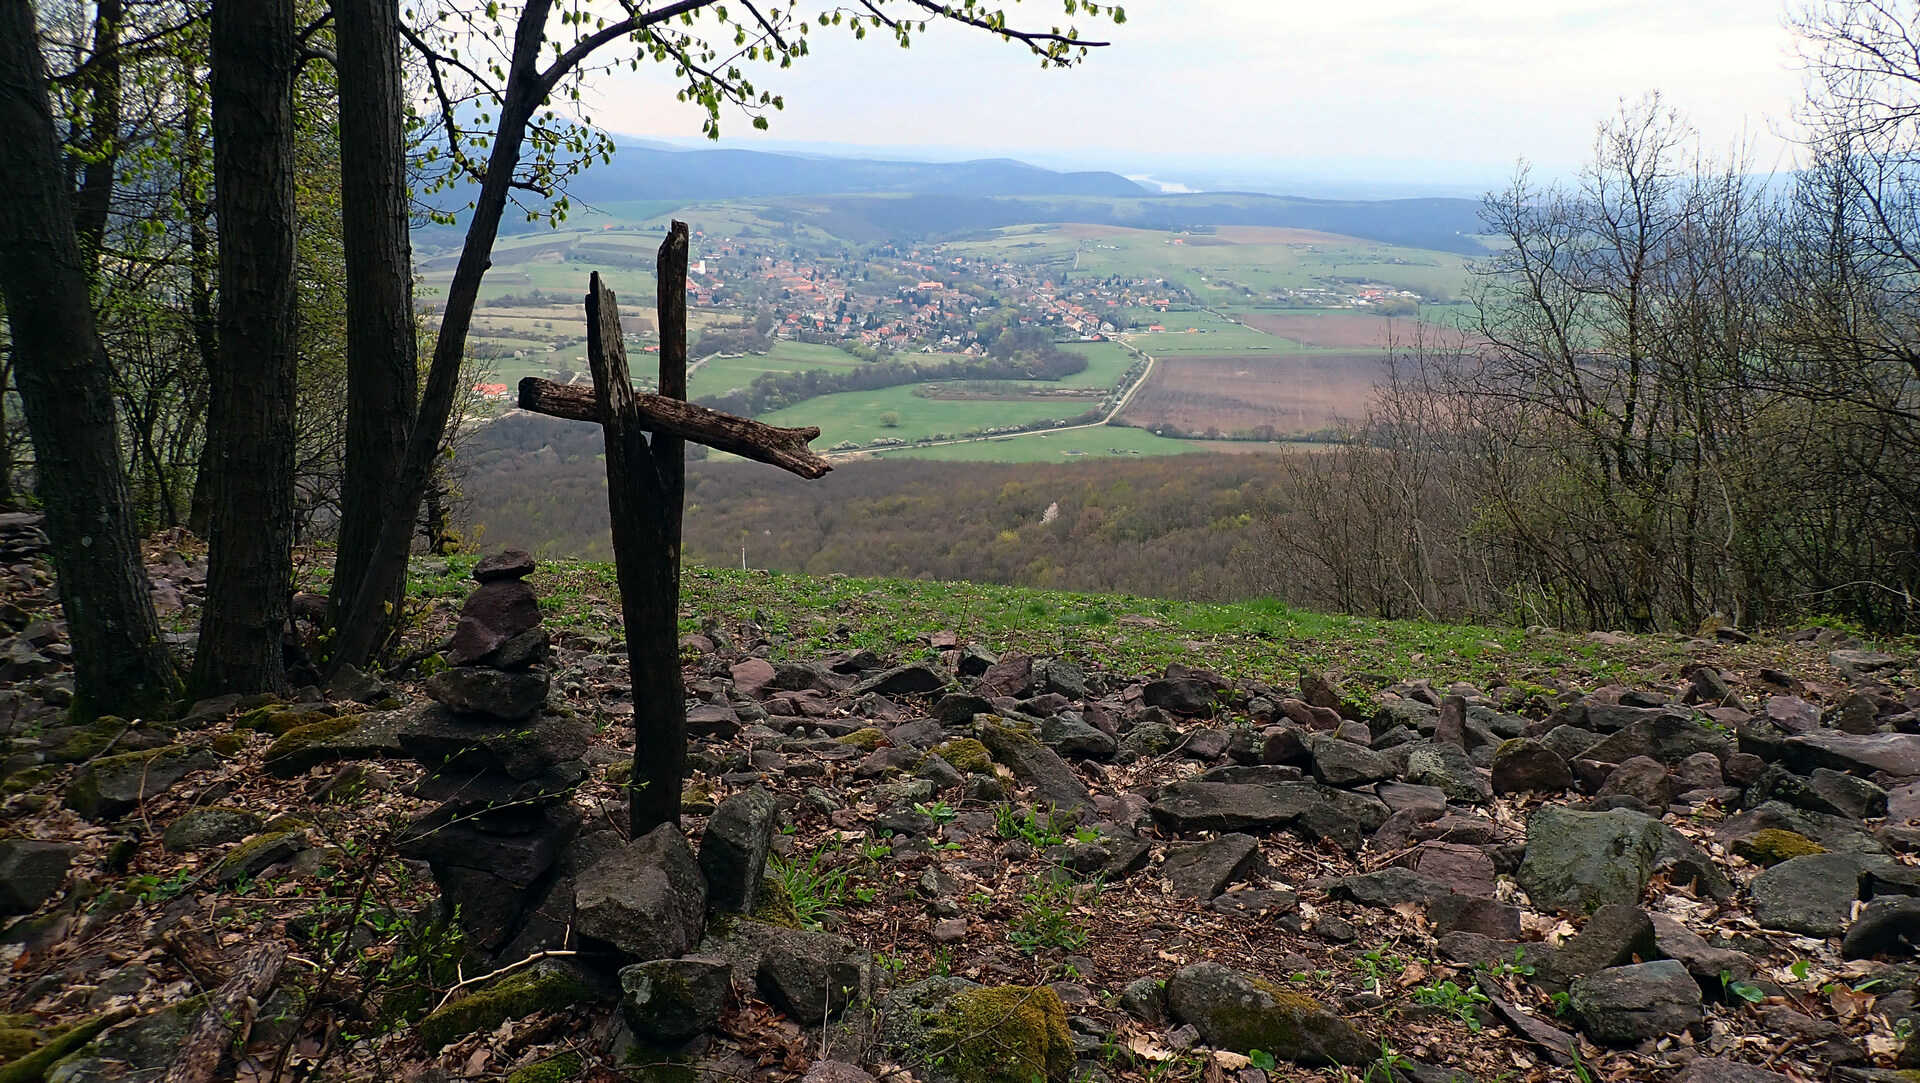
(1408, 87)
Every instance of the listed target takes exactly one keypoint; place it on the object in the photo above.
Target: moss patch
(774, 905)
(696, 800)
(1003, 1034)
(558, 1069)
(966, 754)
(277, 721)
(22, 781)
(296, 746)
(17, 1042)
(1773, 845)
(33, 1067)
(868, 738)
(515, 996)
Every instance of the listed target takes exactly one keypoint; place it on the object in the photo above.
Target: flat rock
(1227, 806)
(903, 681)
(506, 564)
(1626, 1005)
(1526, 765)
(1035, 765)
(1896, 755)
(812, 976)
(752, 676)
(112, 786)
(490, 693)
(1890, 926)
(1203, 870)
(200, 828)
(1345, 764)
(1812, 894)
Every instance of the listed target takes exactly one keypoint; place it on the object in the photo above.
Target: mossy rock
(1770, 846)
(32, 1067)
(251, 858)
(557, 1069)
(214, 825)
(278, 721)
(1001, 1034)
(966, 754)
(516, 996)
(18, 1041)
(22, 781)
(349, 737)
(113, 786)
(696, 800)
(620, 772)
(867, 738)
(99, 735)
(774, 905)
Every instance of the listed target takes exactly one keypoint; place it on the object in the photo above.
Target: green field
(855, 415)
(1209, 334)
(718, 375)
(1102, 441)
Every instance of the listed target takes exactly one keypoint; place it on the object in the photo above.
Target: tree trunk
(103, 132)
(6, 438)
(250, 558)
(120, 662)
(360, 628)
(382, 361)
(206, 339)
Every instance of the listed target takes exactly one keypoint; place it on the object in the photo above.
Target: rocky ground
(971, 859)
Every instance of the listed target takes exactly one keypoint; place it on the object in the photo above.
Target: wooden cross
(646, 484)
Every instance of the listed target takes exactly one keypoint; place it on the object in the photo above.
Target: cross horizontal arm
(745, 437)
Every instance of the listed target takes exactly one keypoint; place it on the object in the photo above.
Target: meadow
(1100, 441)
(1286, 394)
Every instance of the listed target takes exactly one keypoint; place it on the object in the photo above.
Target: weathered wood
(649, 575)
(749, 439)
(670, 451)
(230, 1009)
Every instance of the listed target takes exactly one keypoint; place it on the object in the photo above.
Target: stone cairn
(500, 763)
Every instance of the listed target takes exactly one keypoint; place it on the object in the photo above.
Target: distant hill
(1445, 225)
(644, 171)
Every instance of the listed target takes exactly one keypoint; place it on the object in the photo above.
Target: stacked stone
(501, 764)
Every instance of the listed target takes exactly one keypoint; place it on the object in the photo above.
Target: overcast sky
(1407, 89)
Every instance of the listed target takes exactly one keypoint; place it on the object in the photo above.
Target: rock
(1236, 1012)
(1470, 914)
(1672, 940)
(1389, 887)
(506, 564)
(1011, 675)
(1227, 806)
(1669, 736)
(1700, 771)
(468, 790)
(1181, 695)
(1626, 1005)
(752, 676)
(903, 681)
(350, 737)
(733, 852)
(1343, 763)
(647, 898)
(1074, 738)
(1466, 869)
(1585, 860)
(1035, 765)
(198, 829)
(493, 614)
(112, 786)
(1717, 1070)
(671, 1000)
(1890, 925)
(448, 837)
(966, 1033)
(1833, 833)
(1813, 894)
(836, 1071)
(1643, 778)
(31, 872)
(544, 986)
(1855, 664)
(812, 976)
(1525, 765)
(490, 693)
(1448, 767)
(283, 839)
(1846, 795)
(1612, 937)
(524, 749)
(1202, 870)
(1895, 754)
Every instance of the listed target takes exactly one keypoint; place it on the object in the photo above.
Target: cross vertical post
(646, 437)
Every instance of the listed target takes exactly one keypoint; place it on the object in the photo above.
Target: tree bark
(250, 558)
(95, 198)
(120, 662)
(382, 359)
(360, 629)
